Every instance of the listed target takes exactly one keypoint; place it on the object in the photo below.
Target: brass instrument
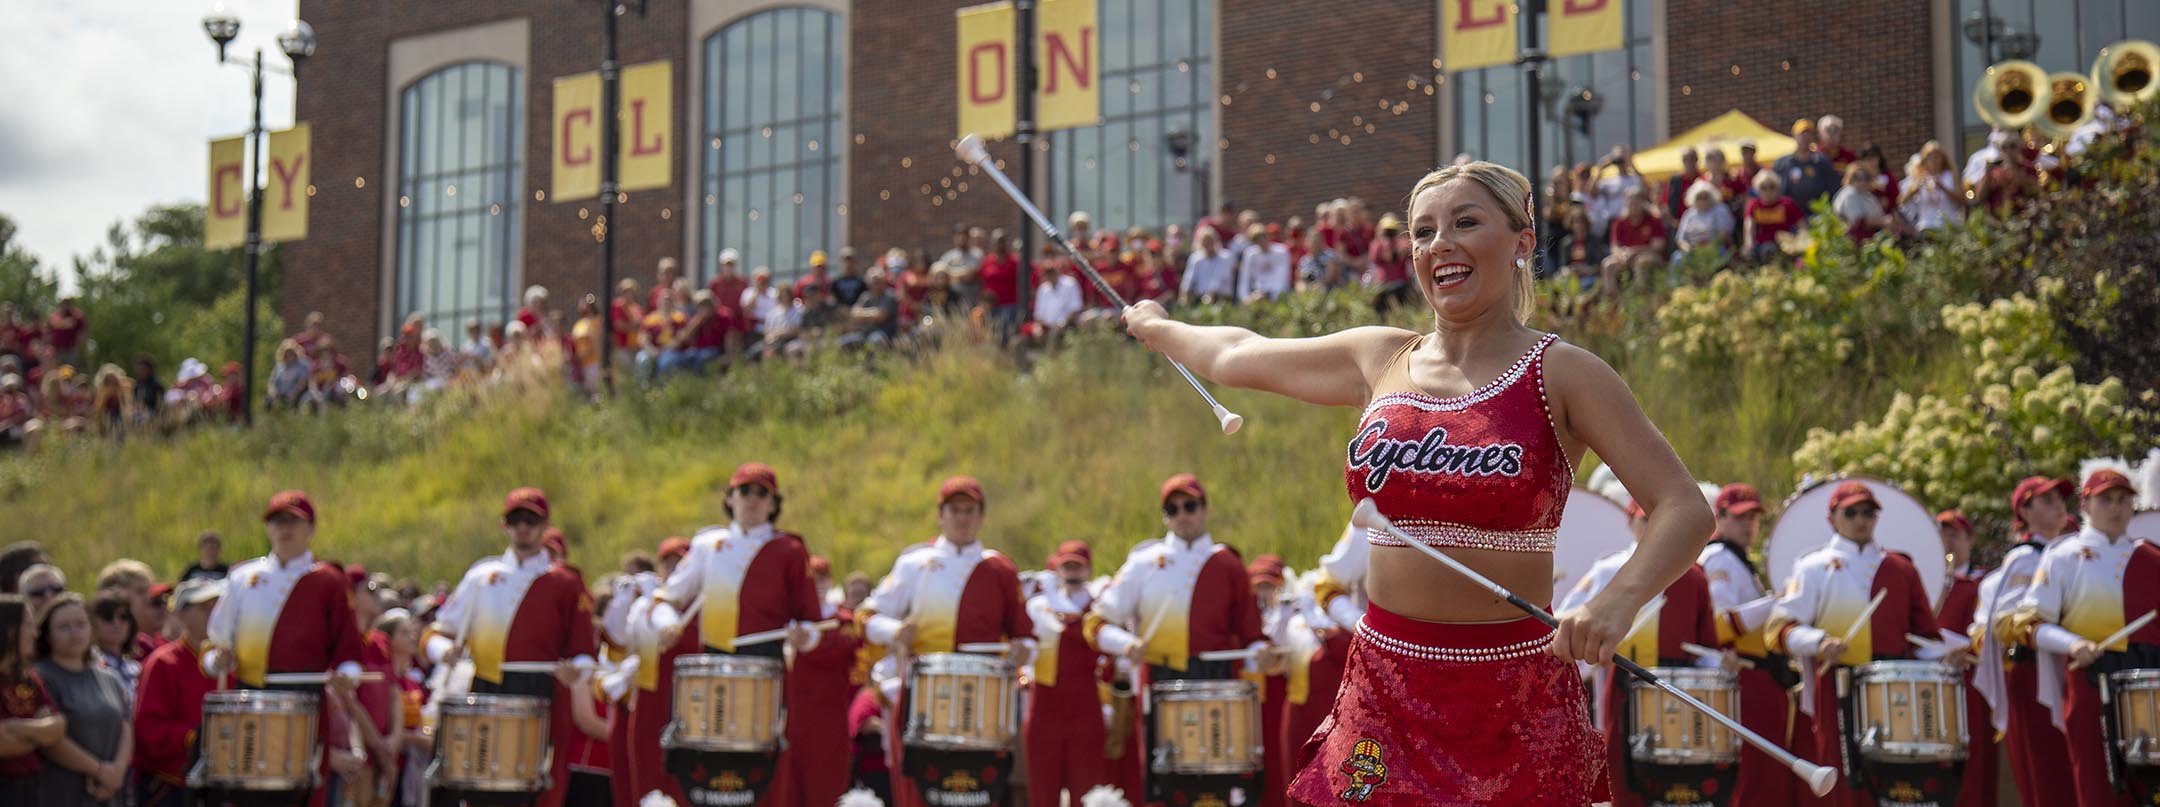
(2011, 95)
(2068, 105)
(2124, 72)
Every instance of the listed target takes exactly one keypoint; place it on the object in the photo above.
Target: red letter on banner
(1466, 19)
(995, 50)
(574, 157)
(1082, 66)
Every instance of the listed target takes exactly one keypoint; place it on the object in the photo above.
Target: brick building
(813, 124)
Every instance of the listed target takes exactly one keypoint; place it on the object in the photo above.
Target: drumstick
(983, 647)
(2134, 626)
(1247, 654)
(1865, 614)
(1712, 653)
(286, 679)
(777, 634)
(1819, 778)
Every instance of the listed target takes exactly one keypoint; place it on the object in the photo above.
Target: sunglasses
(114, 618)
(523, 518)
(752, 491)
(48, 591)
(1190, 506)
(1862, 512)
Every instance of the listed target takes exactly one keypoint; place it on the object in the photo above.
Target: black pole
(609, 75)
(1533, 60)
(1024, 134)
(254, 248)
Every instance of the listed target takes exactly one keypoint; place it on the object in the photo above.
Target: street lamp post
(298, 43)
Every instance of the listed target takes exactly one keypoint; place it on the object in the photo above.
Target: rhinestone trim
(1433, 403)
(1444, 534)
(1453, 655)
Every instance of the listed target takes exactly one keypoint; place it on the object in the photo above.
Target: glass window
(1156, 84)
(1490, 112)
(772, 181)
(460, 197)
(2063, 35)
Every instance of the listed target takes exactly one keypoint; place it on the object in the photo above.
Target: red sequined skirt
(1434, 715)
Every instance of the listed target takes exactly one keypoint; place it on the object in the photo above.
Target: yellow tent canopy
(1723, 132)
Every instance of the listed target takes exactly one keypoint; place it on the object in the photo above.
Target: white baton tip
(1231, 421)
(1821, 779)
(1367, 515)
(971, 149)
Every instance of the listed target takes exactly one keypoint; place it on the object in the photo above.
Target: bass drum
(1906, 526)
(1591, 527)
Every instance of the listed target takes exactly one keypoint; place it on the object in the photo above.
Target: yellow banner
(225, 216)
(576, 133)
(1477, 33)
(647, 126)
(1587, 26)
(1068, 90)
(285, 198)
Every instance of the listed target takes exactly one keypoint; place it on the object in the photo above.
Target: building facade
(805, 125)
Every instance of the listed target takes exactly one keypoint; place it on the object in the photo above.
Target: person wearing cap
(1329, 603)
(2089, 586)
(727, 287)
(1064, 727)
(1681, 615)
(820, 687)
(169, 696)
(1742, 604)
(521, 607)
(1822, 605)
(1173, 599)
(939, 596)
(1807, 173)
(1954, 613)
(2007, 677)
(626, 650)
(742, 578)
(1280, 614)
(285, 612)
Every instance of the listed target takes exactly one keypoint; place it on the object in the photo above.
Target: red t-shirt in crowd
(531, 320)
(1772, 218)
(808, 286)
(406, 361)
(64, 330)
(1119, 276)
(727, 293)
(1733, 186)
(624, 318)
(710, 332)
(1001, 277)
(1637, 234)
(1390, 266)
(23, 695)
(1841, 155)
(652, 296)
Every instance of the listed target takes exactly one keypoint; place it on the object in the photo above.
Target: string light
(584, 213)
(667, 213)
(539, 196)
(404, 201)
(907, 162)
(359, 182)
(1271, 74)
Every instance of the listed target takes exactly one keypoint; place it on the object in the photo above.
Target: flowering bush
(1770, 317)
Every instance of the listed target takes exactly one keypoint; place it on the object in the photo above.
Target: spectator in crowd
(1223, 224)
(89, 767)
(1807, 173)
(40, 583)
(477, 352)
(14, 333)
(1857, 205)
(1390, 274)
(875, 317)
(1639, 243)
(1675, 194)
(1930, 198)
(63, 331)
(657, 334)
(1264, 269)
(1608, 194)
(727, 287)
(289, 379)
(534, 316)
(1831, 130)
(412, 740)
(310, 333)
(965, 256)
(408, 358)
(29, 720)
(704, 336)
(1749, 165)
(1210, 271)
(2011, 180)
(168, 705)
(135, 581)
(761, 302)
(209, 558)
(149, 391)
(1732, 188)
(1562, 239)
(815, 283)
(1769, 213)
(850, 285)
(624, 315)
(1057, 299)
(112, 638)
(1001, 278)
(1707, 225)
(16, 410)
(1153, 282)
(17, 558)
(112, 400)
(586, 342)
(942, 303)
(1977, 163)
(665, 273)
(1882, 182)
(328, 376)
(1080, 229)
(438, 363)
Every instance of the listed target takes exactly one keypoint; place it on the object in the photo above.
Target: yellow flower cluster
(1771, 317)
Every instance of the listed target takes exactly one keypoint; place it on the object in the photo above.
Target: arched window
(771, 173)
(1158, 85)
(1490, 108)
(460, 190)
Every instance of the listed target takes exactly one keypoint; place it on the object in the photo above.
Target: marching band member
(749, 577)
(820, 685)
(652, 700)
(2089, 586)
(631, 600)
(1683, 616)
(949, 592)
(285, 613)
(1743, 605)
(521, 607)
(2007, 676)
(1955, 614)
(1172, 600)
(1278, 607)
(1064, 726)
(1828, 593)
(1329, 609)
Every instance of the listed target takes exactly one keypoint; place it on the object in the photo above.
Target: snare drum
(960, 702)
(1206, 727)
(492, 743)
(1909, 711)
(1667, 731)
(2137, 715)
(726, 703)
(258, 740)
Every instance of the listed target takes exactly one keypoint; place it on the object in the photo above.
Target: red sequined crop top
(1484, 470)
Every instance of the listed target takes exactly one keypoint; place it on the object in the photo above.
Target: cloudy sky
(111, 105)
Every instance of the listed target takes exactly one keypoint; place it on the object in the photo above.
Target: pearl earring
(1521, 262)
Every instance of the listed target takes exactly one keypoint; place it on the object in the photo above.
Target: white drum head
(1591, 527)
(2146, 525)
(1906, 526)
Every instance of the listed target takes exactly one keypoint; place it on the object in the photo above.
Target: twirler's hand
(1140, 316)
(1590, 632)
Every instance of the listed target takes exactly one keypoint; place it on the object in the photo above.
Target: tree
(21, 281)
(153, 290)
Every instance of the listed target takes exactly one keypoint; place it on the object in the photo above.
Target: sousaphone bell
(2124, 73)
(2011, 95)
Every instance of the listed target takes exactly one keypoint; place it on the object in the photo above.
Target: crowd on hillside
(1604, 225)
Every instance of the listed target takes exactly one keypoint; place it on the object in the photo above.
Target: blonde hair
(125, 573)
(1512, 190)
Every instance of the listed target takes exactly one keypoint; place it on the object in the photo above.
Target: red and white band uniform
(1278, 603)
(746, 581)
(1742, 606)
(652, 690)
(950, 595)
(2088, 586)
(820, 686)
(1330, 603)
(1681, 615)
(2038, 756)
(1961, 592)
(1829, 589)
(619, 683)
(520, 609)
(1064, 727)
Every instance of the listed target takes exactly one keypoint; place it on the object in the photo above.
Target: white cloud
(111, 107)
